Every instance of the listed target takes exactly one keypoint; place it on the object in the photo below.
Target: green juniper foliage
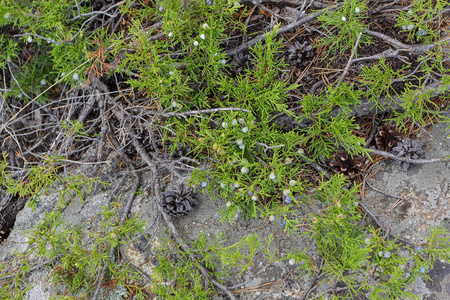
(81, 253)
(44, 179)
(415, 21)
(362, 258)
(255, 168)
(343, 26)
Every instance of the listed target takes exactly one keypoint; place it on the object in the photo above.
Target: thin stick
(407, 160)
(208, 111)
(351, 58)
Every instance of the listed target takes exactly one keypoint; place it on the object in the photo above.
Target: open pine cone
(409, 149)
(387, 137)
(300, 54)
(350, 166)
(240, 60)
(178, 203)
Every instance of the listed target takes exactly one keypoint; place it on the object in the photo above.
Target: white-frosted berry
(288, 199)
(228, 204)
(175, 104)
(380, 253)
(195, 43)
(204, 26)
(255, 197)
(171, 73)
(292, 182)
(224, 124)
(387, 254)
(63, 74)
(245, 129)
(223, 185)
(288, 160)
(241, 121)
(234, 122)
(161, 8)
(292, 261)
(7, 15)
(343, 19)
(242, 146)
(223, 61)
(30, 39)
(357, 10)
(272, 218)
(75, 76)
(170, 34)
(19, 95)
(301, 151)
(272, 176)
(239, 142)
(202, 36)
(286, 192)
(410, 27)
(236, 184)
(245, 170)
(404, 27)
(43, 82)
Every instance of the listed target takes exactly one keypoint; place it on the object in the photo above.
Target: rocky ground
(425, 189)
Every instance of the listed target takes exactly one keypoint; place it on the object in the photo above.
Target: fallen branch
(407, 160)
(143, 154)
(413, 49)
(281, 30)
(367, 108)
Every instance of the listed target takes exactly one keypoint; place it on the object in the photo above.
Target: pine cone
(300, 54)
(409, 149)
(387, 137)
(350, 166)
(178, 203)
(240, 60)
